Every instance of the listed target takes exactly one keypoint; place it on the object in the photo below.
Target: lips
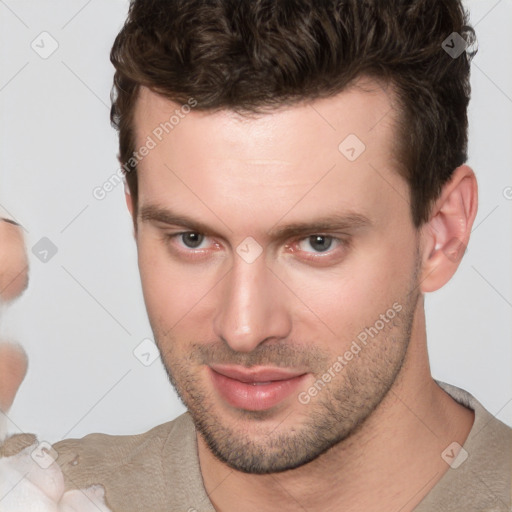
(243, 374)
(254, 389)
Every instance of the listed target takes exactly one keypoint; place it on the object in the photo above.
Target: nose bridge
(250, 309)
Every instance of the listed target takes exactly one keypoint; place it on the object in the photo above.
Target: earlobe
(446, 235)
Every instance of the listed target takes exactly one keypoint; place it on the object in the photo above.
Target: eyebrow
(347, 221)
(335, 222)
(154, 213)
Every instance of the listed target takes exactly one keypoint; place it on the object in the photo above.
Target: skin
(13, 261)
(372, 438)
(13, 368)
(13, 281)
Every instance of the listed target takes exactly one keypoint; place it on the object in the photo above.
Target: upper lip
(255, 374)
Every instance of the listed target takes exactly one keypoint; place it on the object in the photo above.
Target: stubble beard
(249, 442)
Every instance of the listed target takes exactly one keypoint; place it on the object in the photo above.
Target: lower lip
(250, 397)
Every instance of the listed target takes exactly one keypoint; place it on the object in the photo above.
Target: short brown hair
(251, 54)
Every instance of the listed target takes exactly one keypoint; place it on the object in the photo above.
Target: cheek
(172, 290)
(350, 297)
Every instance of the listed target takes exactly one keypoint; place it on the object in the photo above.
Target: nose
(252, 306)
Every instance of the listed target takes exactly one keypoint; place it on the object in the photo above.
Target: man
(295, 173)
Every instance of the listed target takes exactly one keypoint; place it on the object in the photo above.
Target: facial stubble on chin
(337, 412)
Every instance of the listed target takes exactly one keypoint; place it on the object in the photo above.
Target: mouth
(254, 389)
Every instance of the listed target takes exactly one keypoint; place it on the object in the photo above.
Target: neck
(390, 463)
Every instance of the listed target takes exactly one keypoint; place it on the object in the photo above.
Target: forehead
(338, 151)
(358, 109)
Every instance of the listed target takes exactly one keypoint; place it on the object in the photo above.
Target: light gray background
(83, 314)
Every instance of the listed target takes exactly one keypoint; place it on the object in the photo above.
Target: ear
(446, 235)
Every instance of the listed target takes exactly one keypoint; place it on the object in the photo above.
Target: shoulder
(480, 477)
(487, 429)
(103, 444)
(116, 448)
(116, 461)
(148, 471)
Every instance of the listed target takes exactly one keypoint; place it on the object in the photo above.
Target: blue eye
(191, 245)
(320, 243)
(192, 240)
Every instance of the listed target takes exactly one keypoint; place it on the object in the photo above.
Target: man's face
(256, 324)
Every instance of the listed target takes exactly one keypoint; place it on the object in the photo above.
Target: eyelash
(330, 254)
(195, 254)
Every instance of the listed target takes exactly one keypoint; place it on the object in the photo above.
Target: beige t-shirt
(159, 470)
